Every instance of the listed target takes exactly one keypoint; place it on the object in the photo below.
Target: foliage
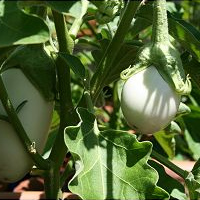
(85, 56)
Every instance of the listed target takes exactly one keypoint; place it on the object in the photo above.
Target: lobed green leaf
(110, 164)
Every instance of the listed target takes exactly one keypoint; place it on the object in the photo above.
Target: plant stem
(160, 23)
(182, 173)
(52, 183)
(105, 65)
(89, 103)
(63, 72)
(17, 125)
(66, 43)
(59, 150)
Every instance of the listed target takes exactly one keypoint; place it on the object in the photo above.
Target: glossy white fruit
(35, 117)
(148, 103)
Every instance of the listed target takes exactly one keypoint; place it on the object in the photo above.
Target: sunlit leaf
(110, 164)
(193, 186)
(167, 142)
(192, 144)
(192, 133)
(17, 27)
(166, 138)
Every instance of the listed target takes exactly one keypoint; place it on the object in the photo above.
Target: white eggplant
(148, 103)
(35, 116)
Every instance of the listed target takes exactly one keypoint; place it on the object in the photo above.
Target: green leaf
(75, 64)
(52, 135)
(60, 6)
(186, 34)
(76, 9)
(110, 164)
(193, 186)
(193, 145)
(196, 170)
(124, 58)
(166, 139)
(143, 20)
(192, 67)
(172, 186)
(182, 110)
(36, 65)
(18, 27)
(191, 134)
(49, 143)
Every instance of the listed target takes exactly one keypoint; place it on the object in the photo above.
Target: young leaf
(193, 186)
(36, 65)
(167, 142)
(192, 145)
(166, 138)
(124, 58)
(75, 64)
(192, 67)
(110, 164)
(191, 134)
(49, 143)
(17, 27)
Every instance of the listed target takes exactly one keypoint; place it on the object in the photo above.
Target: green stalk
(182, 173)
(17, 125)
(59, 150)
(160, 23)
(105, 65)
(89, 103)
(63, 72)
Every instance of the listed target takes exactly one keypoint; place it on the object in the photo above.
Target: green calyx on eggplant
(153, 86)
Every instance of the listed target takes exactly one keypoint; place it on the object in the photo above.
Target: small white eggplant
(35, 116)
(148, 103)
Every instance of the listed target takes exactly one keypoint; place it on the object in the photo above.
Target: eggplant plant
(113, 86)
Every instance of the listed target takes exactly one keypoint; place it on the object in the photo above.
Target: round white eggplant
(148, 103)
